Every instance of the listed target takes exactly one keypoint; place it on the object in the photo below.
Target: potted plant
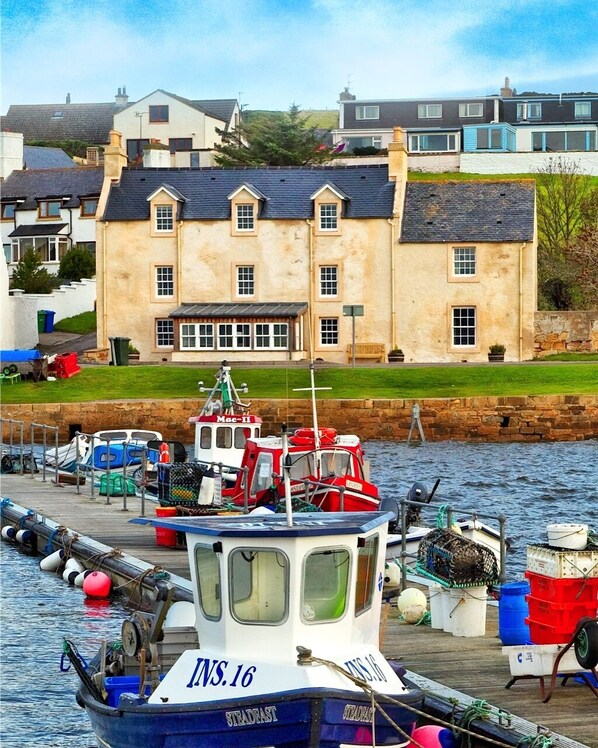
(496, 352)
(396, 355)
(133, 353)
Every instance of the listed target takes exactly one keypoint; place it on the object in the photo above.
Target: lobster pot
(179, 483)
(455, 560)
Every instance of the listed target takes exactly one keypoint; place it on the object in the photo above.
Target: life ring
(164, 453)
(307, 436)
(586, 645)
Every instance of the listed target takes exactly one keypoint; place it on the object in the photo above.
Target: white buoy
(411, 596)
(392, 574)
(73, 565)
(24, 536)
(80, 578)
(69, 575)
(52, 562)
(9, 532)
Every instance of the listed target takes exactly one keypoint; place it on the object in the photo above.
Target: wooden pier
(474, 666)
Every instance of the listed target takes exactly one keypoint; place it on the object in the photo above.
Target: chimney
(121, 98)
(397, 169)
(68, 98)
(506, 91)
(346, 96)
(115, 158)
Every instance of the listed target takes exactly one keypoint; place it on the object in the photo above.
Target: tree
(567, 204)
(30, 277)
(277, 139)
(77, 263)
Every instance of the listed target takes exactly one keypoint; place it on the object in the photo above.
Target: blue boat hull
(314, 719)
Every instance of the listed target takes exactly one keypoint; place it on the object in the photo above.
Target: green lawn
(80, 324)
(156, 382)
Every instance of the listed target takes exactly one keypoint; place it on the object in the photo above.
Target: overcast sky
(272, 53)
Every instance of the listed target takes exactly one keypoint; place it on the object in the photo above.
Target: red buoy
(97, 584)
(433, 736)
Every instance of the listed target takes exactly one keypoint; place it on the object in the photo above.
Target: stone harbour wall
(547, 418)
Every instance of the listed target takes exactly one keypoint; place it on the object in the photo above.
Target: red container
(562, 590)
(164, 536)
(544, 633)
(562, 616)
(65, 365)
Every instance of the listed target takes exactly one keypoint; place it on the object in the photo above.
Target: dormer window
(583, 110)
(49, 209)
(89, 206)
(328, 217)
(429, 111)
(245, 217)
(164, 218)
(8, 211)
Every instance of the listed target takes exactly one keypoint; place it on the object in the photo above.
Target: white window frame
(245, 217)
(415, 141)
(583, 110)
(464, 326)
(55, 248)
(164, 281)
(367, 111)
(271, 335)
(329, 280)
(234, 336)
(429, 111)
(164, 333)
(164, 219)
(328, 217)
(527, 110)
(199, 335)
(329, 331)
(471, 109)
(245, 280)
(464, 262)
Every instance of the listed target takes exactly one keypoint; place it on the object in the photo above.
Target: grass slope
(159, 382)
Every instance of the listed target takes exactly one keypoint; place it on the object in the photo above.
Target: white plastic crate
(539, 659)
(562, 564)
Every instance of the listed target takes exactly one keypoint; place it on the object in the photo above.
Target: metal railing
(24, 453)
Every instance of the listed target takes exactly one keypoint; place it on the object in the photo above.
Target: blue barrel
(512, 612)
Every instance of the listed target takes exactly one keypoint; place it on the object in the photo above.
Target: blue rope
(5, 502)
(49, 547)
(30, 513)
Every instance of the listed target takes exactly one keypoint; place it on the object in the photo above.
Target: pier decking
(473, 666)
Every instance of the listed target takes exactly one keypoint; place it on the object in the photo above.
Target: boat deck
(474, 666)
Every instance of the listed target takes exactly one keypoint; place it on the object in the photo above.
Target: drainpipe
(521, 248)
(104, 288)
(311, 289)
(179, 273)
(393, 308)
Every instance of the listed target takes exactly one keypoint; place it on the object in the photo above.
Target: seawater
(531, 484)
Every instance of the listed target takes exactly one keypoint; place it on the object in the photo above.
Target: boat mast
(223, 397)
(312, 388)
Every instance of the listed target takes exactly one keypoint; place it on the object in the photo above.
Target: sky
(270, 54)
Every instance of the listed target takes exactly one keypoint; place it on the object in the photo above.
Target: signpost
(353, 310)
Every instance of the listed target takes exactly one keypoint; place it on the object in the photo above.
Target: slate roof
(88, 122)
(287, 191)
(43, 184)
(477, 211)
(221, 109)
(268, 309)
(35, 229)
(36, 157)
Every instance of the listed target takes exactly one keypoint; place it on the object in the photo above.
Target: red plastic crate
(563, 616)
(544, 633)
(562, 590)
(65, 365)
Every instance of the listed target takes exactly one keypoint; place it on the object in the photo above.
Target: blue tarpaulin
(20, 355)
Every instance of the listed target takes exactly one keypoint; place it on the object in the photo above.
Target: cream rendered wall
(11, 153)
(426, 295)
(209, 254)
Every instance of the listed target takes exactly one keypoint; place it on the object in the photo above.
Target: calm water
(533, 485)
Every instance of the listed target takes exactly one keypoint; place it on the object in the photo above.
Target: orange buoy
(164, 452)
(97, 584)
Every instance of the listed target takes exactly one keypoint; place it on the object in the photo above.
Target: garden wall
(558, 332)
(475, 419)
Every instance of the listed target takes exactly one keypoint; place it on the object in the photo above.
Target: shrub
(30, 276)
(77, 263)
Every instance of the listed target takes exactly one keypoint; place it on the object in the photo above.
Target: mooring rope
(158, 572)
(57, 532)
(307, 657)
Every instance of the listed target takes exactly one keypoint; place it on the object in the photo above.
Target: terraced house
(260, 264)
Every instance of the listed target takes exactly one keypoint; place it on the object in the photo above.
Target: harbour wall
(548, 418)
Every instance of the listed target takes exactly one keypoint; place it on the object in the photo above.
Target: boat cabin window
(242, 433)
(366, 574)
(224, 437)
(207, 571)
(205, 437)
(262, 476)
(259, 582)
(335, 463)
(325, 583)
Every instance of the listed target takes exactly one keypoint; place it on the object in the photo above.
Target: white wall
(66, 301)
(522, 163)
(19, 317)
(11, 153)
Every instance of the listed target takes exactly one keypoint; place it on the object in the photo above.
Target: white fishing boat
(287, 615)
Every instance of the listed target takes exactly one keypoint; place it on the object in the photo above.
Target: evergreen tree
(30, 277)
(77, 263)
(277, 139)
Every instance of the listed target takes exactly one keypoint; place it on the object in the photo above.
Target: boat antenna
(313, 389)
(286, 475)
